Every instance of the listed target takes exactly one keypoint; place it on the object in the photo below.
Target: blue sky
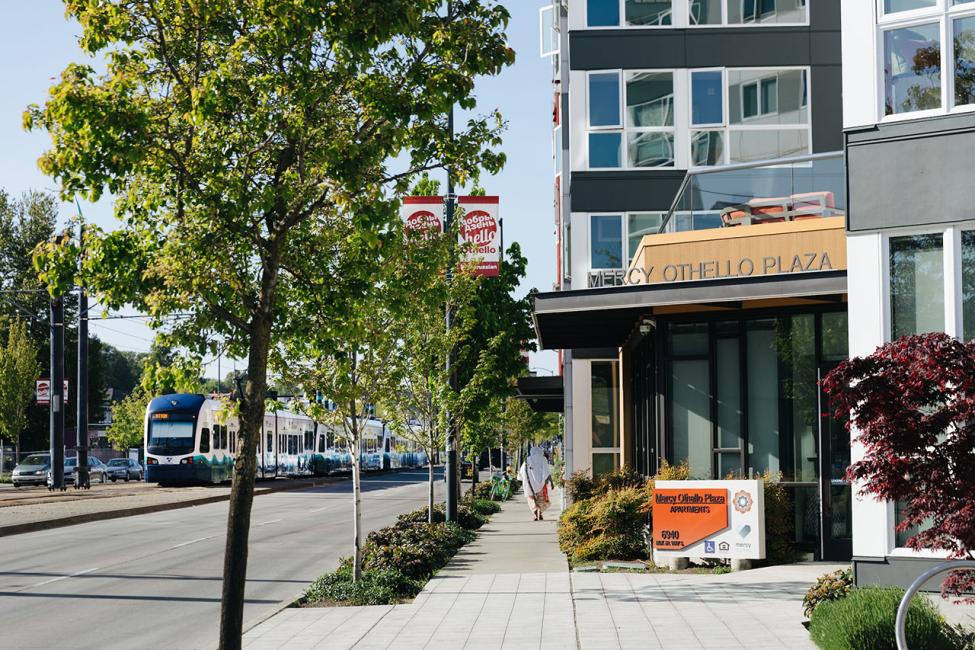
(36, 43)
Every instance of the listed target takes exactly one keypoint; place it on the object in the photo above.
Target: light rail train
(190, 439)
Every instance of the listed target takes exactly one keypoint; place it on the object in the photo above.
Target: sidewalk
(511, 588)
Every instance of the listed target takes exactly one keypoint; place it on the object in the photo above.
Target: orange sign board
(684, 517)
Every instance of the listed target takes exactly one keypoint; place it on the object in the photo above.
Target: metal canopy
(590, 318)
(543, 394)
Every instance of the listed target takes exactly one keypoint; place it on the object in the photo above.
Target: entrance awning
(543, 394)
(606, 317)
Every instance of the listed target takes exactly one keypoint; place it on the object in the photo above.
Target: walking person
(536, 476)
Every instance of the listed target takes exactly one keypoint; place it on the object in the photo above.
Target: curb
(48, 524)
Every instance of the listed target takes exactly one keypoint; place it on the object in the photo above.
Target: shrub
(580, 486)
(376, 587)
(829, 586)
(415, 549)
(606, 527)
(864, 620)
(478, 492)
(515, 486)
(466, 517)
(484, 507)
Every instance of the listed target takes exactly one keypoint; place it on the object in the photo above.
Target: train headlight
(186, 461)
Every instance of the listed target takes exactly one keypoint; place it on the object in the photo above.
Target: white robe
(534, 475)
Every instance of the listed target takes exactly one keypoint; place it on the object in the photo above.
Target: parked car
(33, 470)
(96, 471)
(125, 469)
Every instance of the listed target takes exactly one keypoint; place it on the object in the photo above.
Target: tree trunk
(432, 482)
(355, 446)
(242, 492)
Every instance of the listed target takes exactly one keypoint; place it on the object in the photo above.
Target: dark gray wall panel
(632, 190)
(826, 83)
(691, 48)
(825, 48)
(895, 571)
(825, 15)
(911, 173)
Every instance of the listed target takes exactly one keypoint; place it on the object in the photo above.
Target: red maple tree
(911, 405)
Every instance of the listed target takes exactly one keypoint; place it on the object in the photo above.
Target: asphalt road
(154, 581)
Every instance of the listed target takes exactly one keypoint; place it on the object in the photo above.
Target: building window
(968, 284)
(635, 13)
(704, 13)
(928, 55)
(916, 285)
(604, 391)
(606, 242)
(649, 121)
(638, 225)
(767, 115)
(648, 13)
(603, 13)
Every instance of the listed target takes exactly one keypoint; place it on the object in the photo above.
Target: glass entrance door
(836, 495)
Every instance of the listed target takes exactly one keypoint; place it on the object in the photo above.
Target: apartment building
(702, 275)
(909, 118)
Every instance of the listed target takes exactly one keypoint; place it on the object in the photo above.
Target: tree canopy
(911, 406)
(240, 137)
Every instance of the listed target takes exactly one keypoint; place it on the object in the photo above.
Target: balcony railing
(771, 191)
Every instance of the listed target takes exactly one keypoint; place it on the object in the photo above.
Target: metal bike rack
(901, 622)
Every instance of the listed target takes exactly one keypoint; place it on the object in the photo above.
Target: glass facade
(742, 399)
(605, 420)
(968, 284)
(917, 297)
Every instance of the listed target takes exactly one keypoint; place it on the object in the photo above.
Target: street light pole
(57, 393)
(451, 466)
(82, 477)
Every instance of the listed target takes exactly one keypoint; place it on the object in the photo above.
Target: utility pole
(451, 466)
(82, 480)
(57, 393)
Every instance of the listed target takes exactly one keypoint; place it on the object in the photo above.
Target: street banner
(43, 390)
(423, 214)
(480, 229)
(709, 519)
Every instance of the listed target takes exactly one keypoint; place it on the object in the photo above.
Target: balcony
(749, 194)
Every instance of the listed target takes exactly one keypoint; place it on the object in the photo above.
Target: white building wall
(581, 416)
(868, 322)
(861, 61)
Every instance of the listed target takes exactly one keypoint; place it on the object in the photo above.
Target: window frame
(676, 6)
(680, 18)
(622, 128)
(625, 216)
(944, 13)
(591, 218)
(727, 128)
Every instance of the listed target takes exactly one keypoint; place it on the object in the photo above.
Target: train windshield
(170, 438)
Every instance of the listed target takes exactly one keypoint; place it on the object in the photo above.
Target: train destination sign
(709, 519)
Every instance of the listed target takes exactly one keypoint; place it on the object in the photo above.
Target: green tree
(424, 405)
(237, 136)
(19, 370)
(491, 356)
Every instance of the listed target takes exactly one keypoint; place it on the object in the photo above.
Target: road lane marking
(272, 521)
(59, 578)
(192, 541)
